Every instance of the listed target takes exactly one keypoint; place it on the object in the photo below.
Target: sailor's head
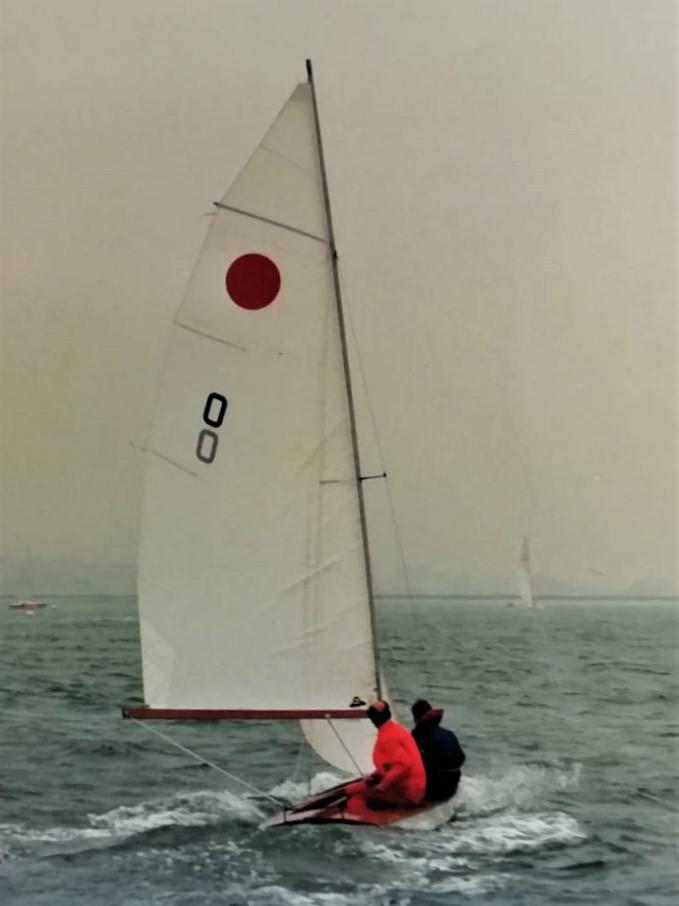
(379, 712)
(420, 708)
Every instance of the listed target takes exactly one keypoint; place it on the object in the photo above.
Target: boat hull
(331, 807)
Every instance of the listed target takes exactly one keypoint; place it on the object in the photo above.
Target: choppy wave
(185, 810)
(519, 787)
(195, 809)
(489, 814)
(393, 894)
(20, 842)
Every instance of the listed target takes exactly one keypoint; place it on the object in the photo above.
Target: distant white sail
(527, 594)
(252, 582)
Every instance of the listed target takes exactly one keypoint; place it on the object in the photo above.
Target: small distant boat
(526, 591)
(27, 606)
(25, 583)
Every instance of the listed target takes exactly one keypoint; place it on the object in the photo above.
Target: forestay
(252, 582)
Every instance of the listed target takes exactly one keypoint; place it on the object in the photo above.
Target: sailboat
(526, 592)
(27, 605)
(254, 582)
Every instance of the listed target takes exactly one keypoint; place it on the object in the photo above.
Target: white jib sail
(252, 586)
(525, 576)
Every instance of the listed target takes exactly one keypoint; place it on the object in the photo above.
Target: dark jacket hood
(431, 718)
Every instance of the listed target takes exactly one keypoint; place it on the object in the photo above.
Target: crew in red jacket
(399, 777)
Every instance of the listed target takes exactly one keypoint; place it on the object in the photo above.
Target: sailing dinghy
(28, 606)
(254, 582)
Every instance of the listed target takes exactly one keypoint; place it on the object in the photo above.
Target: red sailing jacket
(397, 759)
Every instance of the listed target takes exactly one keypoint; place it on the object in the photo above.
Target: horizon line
(448, 596)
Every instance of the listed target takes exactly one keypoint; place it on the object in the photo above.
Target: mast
(347, 382)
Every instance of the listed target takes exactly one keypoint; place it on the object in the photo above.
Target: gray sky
(503, 178)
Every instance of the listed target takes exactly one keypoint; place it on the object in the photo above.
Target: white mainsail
(527, 595)
(252, 581)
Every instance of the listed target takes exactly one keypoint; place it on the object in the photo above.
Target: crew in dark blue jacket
(441, 753)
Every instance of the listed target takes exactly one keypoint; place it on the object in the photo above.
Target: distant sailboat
(526, 591)
(525, 580)
(255, 591)
(526, 577)
(27, 605)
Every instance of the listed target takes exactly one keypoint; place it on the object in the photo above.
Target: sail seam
(288, 160)
(173, 463)
(210, 336)
(283, 226)
(274, 350)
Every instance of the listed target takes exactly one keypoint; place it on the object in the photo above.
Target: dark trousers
(441, 785)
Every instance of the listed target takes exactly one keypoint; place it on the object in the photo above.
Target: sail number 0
(213, 415)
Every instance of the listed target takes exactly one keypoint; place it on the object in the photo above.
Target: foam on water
(518, 787)
(15, 834)
(195, 809)
(492, 816)
(186, 810)
(514, 833)
(274, 895)
(365, 895)
(292, 790)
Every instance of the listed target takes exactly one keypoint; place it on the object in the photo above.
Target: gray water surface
(568, 716)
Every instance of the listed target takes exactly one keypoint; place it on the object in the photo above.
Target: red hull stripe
(219, 714)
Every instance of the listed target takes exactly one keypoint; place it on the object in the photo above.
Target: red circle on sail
(253, 281)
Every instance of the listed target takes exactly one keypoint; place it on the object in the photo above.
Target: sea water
(569, 717)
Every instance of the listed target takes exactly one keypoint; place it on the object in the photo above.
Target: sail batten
(171, 462)
(209, 336)
(283, 226)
